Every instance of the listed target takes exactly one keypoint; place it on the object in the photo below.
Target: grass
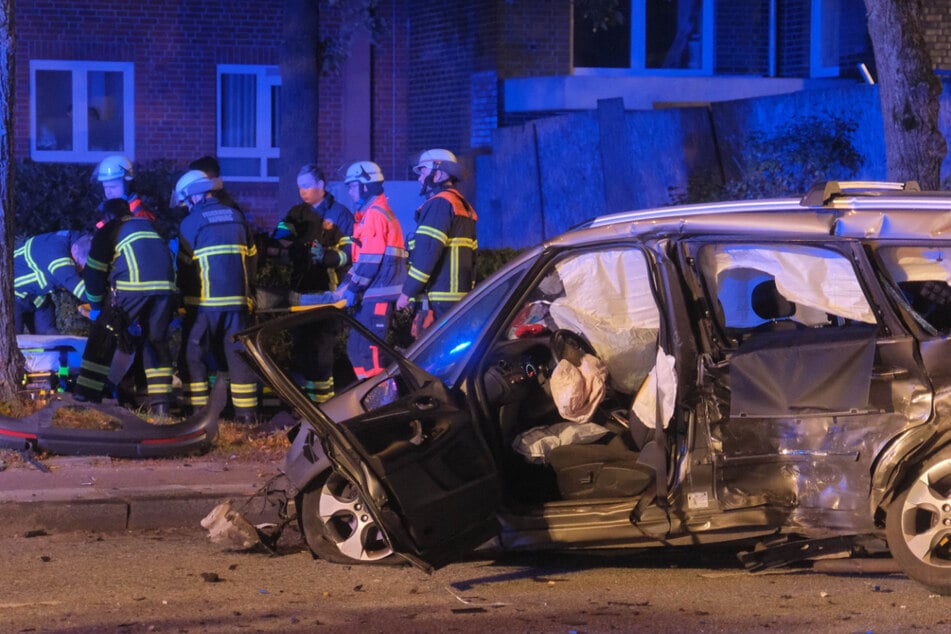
(235, 441)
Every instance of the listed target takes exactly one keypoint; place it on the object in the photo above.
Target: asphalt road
(177, 581)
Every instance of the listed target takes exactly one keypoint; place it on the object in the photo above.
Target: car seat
(603, 469)
(769, 304)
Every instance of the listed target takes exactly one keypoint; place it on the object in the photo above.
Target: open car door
(406, 440)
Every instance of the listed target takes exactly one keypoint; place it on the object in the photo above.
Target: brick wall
(176, 47)
(458, 50)
(936, 23)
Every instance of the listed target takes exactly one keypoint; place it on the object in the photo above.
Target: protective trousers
(314, 354)
(207, 332)
(114, 330)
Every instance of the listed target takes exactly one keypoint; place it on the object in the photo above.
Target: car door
(809, 383)
(403, 437)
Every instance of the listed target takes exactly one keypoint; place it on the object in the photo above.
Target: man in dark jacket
(216, 265)
(45, 263)
(443, 248)
(130, 282)
(317, 235)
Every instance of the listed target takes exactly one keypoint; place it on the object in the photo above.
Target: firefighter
(317, 236)
(216, 265)
(130, 284)
(45, 263)
(443, 248)
(379, 263)
(115, 173)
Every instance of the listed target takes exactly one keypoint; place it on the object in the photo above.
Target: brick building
(179, 79)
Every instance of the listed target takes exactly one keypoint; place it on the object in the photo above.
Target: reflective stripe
(381, 291)
(433, 233)
(98, 368)
(442, 296)
(466, 243)
(418, 275)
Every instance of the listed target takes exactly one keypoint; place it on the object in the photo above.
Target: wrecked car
(772, 370)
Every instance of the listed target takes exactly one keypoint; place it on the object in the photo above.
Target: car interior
(563, 377)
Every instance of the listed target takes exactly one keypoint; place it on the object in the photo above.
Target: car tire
(918, 526)
(336, 526)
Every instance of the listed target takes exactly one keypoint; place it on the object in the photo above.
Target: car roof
(854, 209)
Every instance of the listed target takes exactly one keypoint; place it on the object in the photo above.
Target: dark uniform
(320, 256)
(216, 264)
(329, 224)
(44, 264)
(442, 251)
(130, 278)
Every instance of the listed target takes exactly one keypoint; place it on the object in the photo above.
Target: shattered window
(922, 274)
(776, 287)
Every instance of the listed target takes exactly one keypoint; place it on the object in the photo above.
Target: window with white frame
(81, 111)
(248, 107)
(655, 37)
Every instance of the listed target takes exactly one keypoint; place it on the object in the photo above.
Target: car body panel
(425, 474)
(808, 432)
(120, 433)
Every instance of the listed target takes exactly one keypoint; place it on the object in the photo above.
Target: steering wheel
(570, 345)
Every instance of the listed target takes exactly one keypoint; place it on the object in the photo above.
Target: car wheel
(918, 526)
(337, 527)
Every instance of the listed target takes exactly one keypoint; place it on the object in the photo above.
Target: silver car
(773, 371)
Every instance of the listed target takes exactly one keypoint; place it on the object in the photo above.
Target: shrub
(784, 162)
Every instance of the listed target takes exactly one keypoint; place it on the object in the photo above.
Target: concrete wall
(550, 174)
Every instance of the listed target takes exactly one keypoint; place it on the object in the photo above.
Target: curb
(81, 495)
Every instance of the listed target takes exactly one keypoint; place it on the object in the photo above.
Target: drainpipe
(773, 29)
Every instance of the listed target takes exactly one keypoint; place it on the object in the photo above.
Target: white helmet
(113, 168)
(191, 183)
(438, 159)
(364, 172)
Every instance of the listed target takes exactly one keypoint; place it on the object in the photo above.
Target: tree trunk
(909, 91)
(11, 361)
(299, 96)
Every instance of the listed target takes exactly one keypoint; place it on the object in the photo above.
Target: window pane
(673, 33)
(54, 109)
(238, 110)
(240, 166)
(602, 48)
(104, 113)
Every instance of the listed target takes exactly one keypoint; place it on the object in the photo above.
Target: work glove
(317, 252)
(283, 231)
(350, 296)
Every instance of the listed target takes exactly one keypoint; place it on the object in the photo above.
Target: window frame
(637, 54)
(79, 70)
(267, 77)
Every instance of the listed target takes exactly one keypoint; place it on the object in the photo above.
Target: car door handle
(889, 373)
(425, 403)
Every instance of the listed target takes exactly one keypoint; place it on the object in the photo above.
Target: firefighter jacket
(44, 264)
(379, 253)
(217, 258)
(442, 251)
(330, 225)
(129, 256)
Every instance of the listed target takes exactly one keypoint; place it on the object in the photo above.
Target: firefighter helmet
(191, 183)
(364, 172)
(113, 168)
(439, 159)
